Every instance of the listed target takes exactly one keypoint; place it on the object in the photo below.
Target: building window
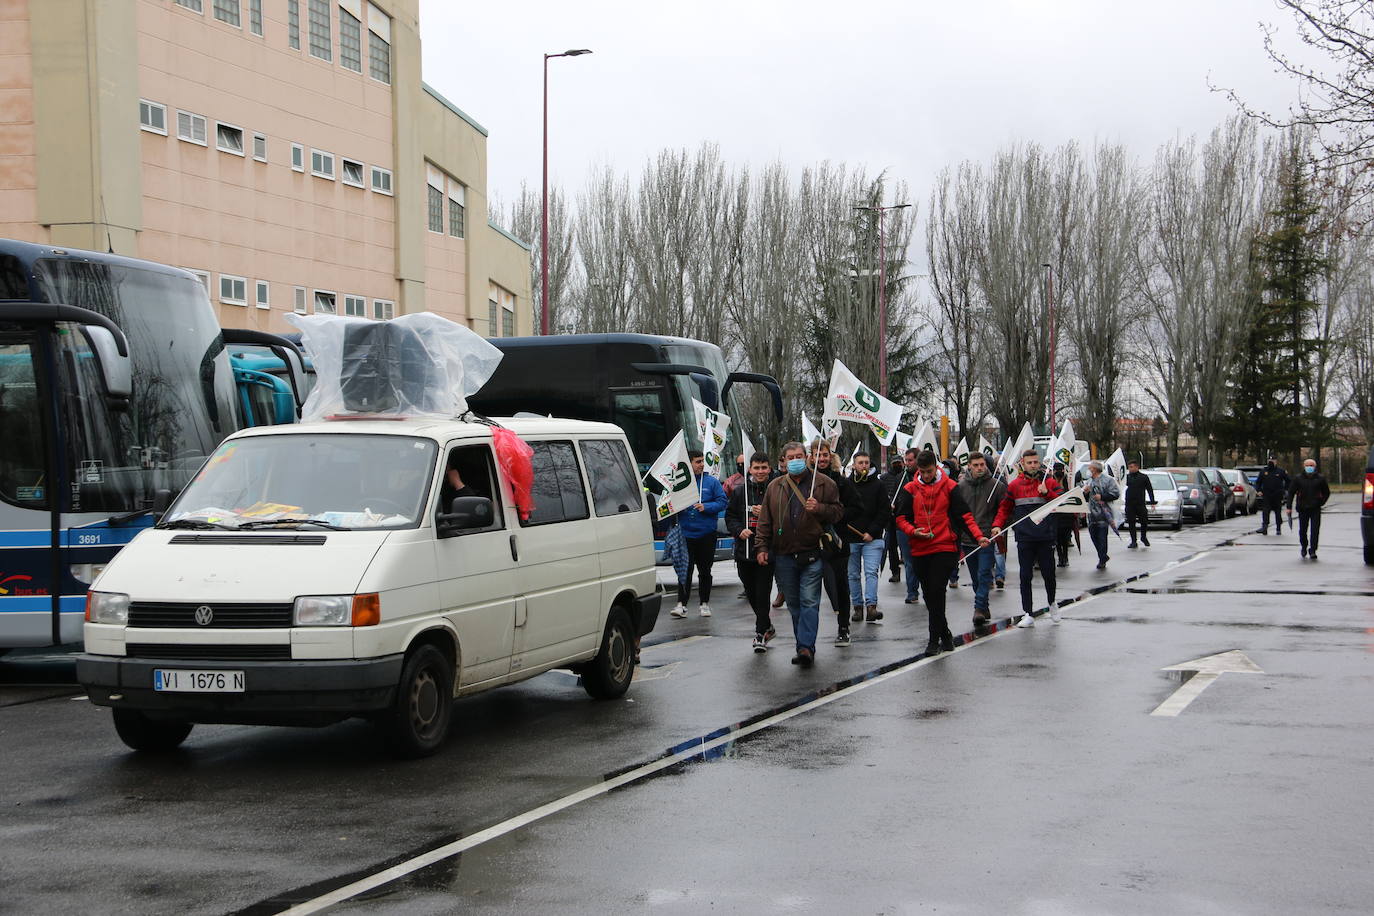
(383, 309)
(351, 173)
(298, 300)
(297, 157)
(227, 11)
(436, 210)
(493, 309)
(378, 58)
(293, 24)
(191, 127)
(229, 139)
(255, 16)
(455, 218)
(204, 277)
(152, 117)
(322, 164)
(507, 323)
(381, 180)
(350, 41)
(262, 291)
(192, 5)
(260, 147)
(321, 45)
(233, 290)
(324, 303)
(355, 306)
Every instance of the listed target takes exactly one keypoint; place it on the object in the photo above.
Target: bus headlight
(107, 607)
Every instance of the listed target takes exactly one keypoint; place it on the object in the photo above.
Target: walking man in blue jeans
(796, 508)
(984, 494)
(865, 536)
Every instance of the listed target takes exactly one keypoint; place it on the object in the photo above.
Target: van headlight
(107, 607)
(323, 611)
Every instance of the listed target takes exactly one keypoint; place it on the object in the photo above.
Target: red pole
(1049, 291)
(544, 218)
(882, 320)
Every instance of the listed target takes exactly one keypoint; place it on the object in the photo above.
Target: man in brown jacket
(796, 508)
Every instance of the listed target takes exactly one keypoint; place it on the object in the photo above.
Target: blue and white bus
(114, 387)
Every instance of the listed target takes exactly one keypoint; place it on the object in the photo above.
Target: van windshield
(299, 480)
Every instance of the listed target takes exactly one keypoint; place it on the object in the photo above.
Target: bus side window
(477, 472)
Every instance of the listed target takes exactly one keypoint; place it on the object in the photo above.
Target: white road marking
(1208, 669)
(371, 882)
(654, 673)
(686, 640)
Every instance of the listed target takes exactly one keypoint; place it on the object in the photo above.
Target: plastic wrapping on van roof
(419, 365)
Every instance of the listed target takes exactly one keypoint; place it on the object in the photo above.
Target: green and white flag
(712, 428)
(850, 399)
(1075, 502)
(1116, 465)
(809, 432)
(987, 448)
(673, 469)
(1011, 455)
(961, 454)
(1060, 449)
(903, 440)
(926, 438)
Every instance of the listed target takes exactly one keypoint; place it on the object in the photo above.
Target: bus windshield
(183, 400)
(342, 480)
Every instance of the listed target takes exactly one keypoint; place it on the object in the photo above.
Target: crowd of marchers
(809, 527)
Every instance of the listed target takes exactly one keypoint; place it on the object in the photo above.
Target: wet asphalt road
(1023, 773)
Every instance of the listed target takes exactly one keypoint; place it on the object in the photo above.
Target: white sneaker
(678, 611)
(704, 610)
(1054, 613)
(1026, 621)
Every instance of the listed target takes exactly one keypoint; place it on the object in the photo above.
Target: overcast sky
(905, 86)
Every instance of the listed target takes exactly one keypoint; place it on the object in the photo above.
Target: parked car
(1367, 511)
(1247, 497)
(1251, 471)
(1226, 497)
(1168, 507)
(1195, 493)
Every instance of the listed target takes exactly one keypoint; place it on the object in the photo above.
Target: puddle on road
(1232, 624)
(1185, 590)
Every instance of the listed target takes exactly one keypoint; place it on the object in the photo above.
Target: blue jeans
(980, 567)
(801, 586)
(1098, 533)
(1001, 563)
(913, 586)
(864, 560)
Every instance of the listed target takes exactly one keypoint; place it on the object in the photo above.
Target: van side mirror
(116, 369)
(466, 513)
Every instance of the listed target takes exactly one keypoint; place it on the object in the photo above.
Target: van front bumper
(275, 692)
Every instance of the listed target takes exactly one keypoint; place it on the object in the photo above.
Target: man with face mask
(1310, 492)
(1031, 489)
(796, 507)
(1272, 484)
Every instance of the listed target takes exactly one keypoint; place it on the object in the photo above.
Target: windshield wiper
(273, 522)
(195, 523)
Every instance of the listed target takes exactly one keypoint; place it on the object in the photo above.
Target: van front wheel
(144, 734)
(419, 719)
(609, 674)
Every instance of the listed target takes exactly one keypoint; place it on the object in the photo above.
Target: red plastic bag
(517, 463)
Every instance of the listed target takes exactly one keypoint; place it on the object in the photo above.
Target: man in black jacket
(835, 570)
(1272, 484)
(984, 494)
(896, 477)
(741, 520)
(1310, 491)
(865, 535)
(1140, 493)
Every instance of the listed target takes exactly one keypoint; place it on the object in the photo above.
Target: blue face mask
(796, 466)
(1307, 469)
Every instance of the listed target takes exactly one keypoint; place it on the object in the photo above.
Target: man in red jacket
(1031, 489)
(928, 510)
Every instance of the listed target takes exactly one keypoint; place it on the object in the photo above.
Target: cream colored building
(285, 150)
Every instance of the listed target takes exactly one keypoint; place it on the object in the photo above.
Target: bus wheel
(152, 735)
(419, 719)
(609, 674)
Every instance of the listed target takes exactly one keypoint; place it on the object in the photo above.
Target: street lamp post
(882, 301)
(1049, 297)
(544, 207)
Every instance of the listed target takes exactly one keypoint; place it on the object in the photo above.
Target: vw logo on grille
(205, 614)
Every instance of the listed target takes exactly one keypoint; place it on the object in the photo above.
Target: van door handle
(514, 549)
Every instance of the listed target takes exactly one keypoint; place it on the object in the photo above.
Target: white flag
(748, 449)
(1075, 501)
(712, 428)
(1061, 448)
(849, 467)
(850, 399)
(1011, 455)
(903, 441)
(1116, 465)
(961, 454)
(830, 429)
(673, 469)
(926, 438)
(809, 432)
(987, 448)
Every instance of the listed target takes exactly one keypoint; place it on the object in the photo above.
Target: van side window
(558, 493)
(473, 468)
(614, 487)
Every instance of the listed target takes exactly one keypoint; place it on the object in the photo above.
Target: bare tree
(523, 222)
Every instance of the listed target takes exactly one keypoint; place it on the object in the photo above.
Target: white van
(350, 578)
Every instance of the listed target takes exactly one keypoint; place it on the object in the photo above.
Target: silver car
(1168, 508)
(1247, 497)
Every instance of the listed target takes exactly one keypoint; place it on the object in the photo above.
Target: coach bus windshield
(183, 390)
